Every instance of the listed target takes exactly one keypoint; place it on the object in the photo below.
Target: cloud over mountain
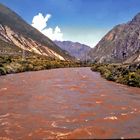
(40, 22)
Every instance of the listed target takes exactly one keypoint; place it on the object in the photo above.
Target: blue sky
(85, 21)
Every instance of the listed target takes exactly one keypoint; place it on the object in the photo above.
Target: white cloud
(40, 22)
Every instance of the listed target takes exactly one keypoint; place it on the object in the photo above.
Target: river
(70, 103)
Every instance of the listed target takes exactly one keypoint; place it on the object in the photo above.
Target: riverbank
(123, 74)
(10, 64)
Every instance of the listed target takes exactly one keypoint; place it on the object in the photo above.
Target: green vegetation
(15, 64)
(2, 71)
(124, 74)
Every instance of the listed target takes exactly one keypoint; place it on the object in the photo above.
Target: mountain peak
(76, 49)
(136, 18)
(120, 44)
(14, 30)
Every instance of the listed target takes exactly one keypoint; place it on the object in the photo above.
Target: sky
(84, 21)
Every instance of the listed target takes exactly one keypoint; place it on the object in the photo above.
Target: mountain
(15, 33)
(121, 44)
(79, 51)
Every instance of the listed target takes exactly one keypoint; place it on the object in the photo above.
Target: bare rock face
(121, 44)
(14, 30)
(27, 44)
(78, 50)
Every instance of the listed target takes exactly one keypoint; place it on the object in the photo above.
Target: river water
(70, 103)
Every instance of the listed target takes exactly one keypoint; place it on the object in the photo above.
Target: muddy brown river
(71, 103)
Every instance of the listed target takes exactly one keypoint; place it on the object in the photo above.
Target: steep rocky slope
(16, 32)
(121, 44)
(79, 51)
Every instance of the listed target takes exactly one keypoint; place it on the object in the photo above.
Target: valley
(58, 89)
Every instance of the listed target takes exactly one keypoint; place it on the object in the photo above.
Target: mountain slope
(14, 30)
(120, 44)
(79, 51)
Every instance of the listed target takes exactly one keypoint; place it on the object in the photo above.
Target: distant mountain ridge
(121, 44)
(14, 30)
(78, 50)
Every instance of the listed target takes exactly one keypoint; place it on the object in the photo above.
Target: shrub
(2, 71)
(110, 77)
(133, 79)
